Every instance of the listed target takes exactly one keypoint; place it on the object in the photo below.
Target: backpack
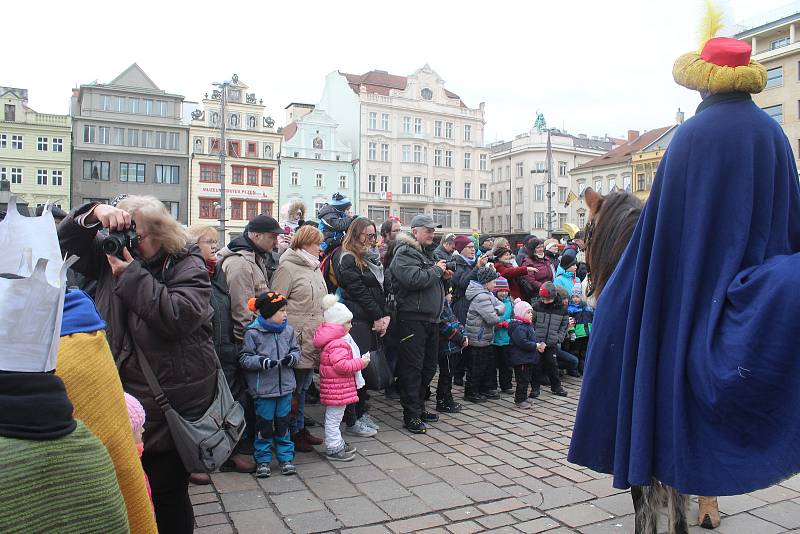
(328, 272)
(334, 241)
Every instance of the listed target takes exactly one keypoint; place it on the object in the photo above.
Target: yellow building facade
(645, 163)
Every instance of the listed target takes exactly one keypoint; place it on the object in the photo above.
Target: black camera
(451, 266)
(114, 242)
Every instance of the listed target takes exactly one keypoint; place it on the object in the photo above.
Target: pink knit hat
(520, 308)
(135, 413)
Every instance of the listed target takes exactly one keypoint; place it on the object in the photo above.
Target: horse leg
(645, 503)
(677, 503)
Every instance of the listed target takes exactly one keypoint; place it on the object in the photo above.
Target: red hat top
(726, 52)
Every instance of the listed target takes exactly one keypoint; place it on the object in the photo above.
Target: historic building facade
(251, 162)
(315, 162)
(645, 163)
(420, 149)
(128, 138)
(34, 151)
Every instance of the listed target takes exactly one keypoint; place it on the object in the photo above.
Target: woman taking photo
(360, 276)
(299, 279)
(156, 300)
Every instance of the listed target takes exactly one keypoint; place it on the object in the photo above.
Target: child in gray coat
(485, 311)
(269, 352)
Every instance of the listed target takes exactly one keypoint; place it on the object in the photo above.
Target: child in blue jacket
(501, 339)
(582, 314)
(452, 339)
(524, 351)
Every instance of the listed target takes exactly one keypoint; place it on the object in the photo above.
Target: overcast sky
(591, 67)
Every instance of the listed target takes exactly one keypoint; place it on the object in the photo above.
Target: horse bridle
(589, 231)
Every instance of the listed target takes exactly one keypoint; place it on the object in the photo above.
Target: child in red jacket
(339, 369)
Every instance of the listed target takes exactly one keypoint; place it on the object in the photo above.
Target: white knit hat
(334, 311)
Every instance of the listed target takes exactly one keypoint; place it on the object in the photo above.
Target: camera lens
(111, 245)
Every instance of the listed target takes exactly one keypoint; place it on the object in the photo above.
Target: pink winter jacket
(337, 366)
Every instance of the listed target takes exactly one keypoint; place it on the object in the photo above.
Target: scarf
(211, 266)
(374, 264)
(312, 261)
(34, 406)
(470, 262)
(272, 327)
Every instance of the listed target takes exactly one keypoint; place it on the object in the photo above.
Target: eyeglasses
(371, 237)
(470, 246)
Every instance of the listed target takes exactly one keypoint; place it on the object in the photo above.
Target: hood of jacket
(326, 333)
(474, 289)
(404, 238)
(327, 209)
(241, 243)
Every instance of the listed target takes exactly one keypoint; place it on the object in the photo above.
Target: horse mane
(613, 223)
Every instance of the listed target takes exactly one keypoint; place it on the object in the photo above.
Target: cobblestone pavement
(491, 468)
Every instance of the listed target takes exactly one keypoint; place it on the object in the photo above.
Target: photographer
(156, 298)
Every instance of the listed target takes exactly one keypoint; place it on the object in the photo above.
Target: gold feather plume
(710, 24)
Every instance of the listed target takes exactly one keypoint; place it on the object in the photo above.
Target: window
(467, 132)
(640, 182)
(161, 106)
(384, 184)
(465, 219)
(16, 175)
(407, 214)
(562, 219)
(118, 136)
(172, 208)
(483, 188)
(626, 183)
(520, 169)
(500, 173)
(562, 194)
(237, 210)
(161, 140)
(405, 185)
(131, 172)
(437, 157)
(540, 166)
(342, 182)
(133, 137)
(443, 217)
(318, 179)
(519, 195)
(105, 102)
(373, 148)
(448, 189)
(508, 201)
(467, 190)
(213, 147)
(235, 149)
(252, 176)
(385, 121)
(133, 105)
(598, 185)
(378, 213)
(89, 134)
(41, 176)
(491, 223)
(104, 137)
(406, 153)
(58, 177)
(173, 141)
(417, 126)
(779, 43)
(776, 112)
(562, 168)
(372, 183)
(538, 219)
(437, 128)
(774, 77)
(41, 144)
(519, 221)
(167, 174)
(96, 170)
(237, 175)
(266, 207)
(266, 177)
(467, 160)
(581, 187)
(317, 156)
(418, 154)
(437, 188)
(208, 208)
(148, 139)
(384, 152)
(418, 189)
(251, 207)
(482, 162)
(295, 178)
(318, 206)
(538, 193)
(612, 184)
(148, 107)
(120, 104)
(448, 158)
(3, 140)
(407, 125)
(252, 150)
(491, 198)
(209, 172)
(373, 120)
(499, 198)
(448, 130)
(10, 112)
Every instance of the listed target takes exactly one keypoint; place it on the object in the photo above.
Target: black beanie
(267, 304)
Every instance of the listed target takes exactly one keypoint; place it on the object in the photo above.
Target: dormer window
(426, 94)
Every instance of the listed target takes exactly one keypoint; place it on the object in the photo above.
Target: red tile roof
(289, 130)
(381, 82)
(624, 153)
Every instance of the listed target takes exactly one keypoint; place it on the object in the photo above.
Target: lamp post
(222, 96)
(549, 170)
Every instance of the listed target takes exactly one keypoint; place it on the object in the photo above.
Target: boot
(200, 479)
(309, 437)
(708, 514)
(240, 463)
(301, 444)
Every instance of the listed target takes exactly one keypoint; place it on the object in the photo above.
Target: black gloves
(268, 364)
(286, 361)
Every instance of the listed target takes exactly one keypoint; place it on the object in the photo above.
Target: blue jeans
(272, 426)
(566, 360)
(303, 377)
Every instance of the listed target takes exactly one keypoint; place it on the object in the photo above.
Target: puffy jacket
(523, 344)
(565, 279)
(451, 332)
(301, 282)
(248, 273)
(337, 366)
(583, 316)
(543, 272)
(419, 292)
(462, 276)
(360, 290)
(333, 224)
(511, 273)
(225, 344)
(551, 322)
(163, 308)
(259, 345)
(501, 338)
(484, 313)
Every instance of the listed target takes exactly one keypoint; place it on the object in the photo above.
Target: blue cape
(693, 369)
(80, 314)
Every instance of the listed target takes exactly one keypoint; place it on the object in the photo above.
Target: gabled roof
(624, 153)
(289, 130)
(134, 76)
(381, 82)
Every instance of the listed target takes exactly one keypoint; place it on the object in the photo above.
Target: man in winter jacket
(446, 248)
(485, 312)
(551, 322)
(334, 220)
(419, 295)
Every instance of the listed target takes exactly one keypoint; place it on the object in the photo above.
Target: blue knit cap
(341, 202)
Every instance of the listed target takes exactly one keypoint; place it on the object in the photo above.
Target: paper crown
(32, 278)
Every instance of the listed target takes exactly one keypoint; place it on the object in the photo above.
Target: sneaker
(263, 471)
(369, 421)
(491, 394)
(288, 468)
(310, 438)
(428, 417)
(415, 426)
(448, 407)
(361, 430)
(524, 405)
(200, 479)
(474, 398)
(350, 449)
(561, 392)
(535, 392)
(341, 456)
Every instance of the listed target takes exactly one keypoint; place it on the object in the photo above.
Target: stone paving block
(374, 529)
(332, 487)
(541, 524)
(203, 498)
(410, 446)
(382, 490)
(404, 507)
(526, 514)
(455, 474)
(736, 504)
(439, 496)
(785, 514)
(296, 502)
(263, 521)
(211, 519)
(313, 522)
(195, 489)
(793, 483)
(580, 514)
(601, 487)
(498, 480)
(438, 530)
(429, 460)
(619, 504)
(506, 505)
(618, 525)
(244, 500)
(357, 511)
(465, 527)
(467, 512)
(496, 520)
(317, 469)
(570, 474)
(460, 459)
(208, 508)
(390, 460)
(368, 448)
(411, 476)
(502, 530)
(227, 482)
(746, 523)
(367, 473)
(416, 524)
(214, 529)
(775, 494)
(281, 484)
(482, 491)
(558, 497)
(558, 481)
(479, 469)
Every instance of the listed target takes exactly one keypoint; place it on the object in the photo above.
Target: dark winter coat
(462, 275)
(225, 344)
(551, 322)
(451, 332)
(543, 273)
(419, 291)
(333, 223)
(260, 345)
(163, 308)
(439, 253)
(360, 291)
(523, 344)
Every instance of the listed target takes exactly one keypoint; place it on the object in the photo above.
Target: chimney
(679, 117)
(632, 134)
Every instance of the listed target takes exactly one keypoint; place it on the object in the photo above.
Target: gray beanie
(484, 275)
